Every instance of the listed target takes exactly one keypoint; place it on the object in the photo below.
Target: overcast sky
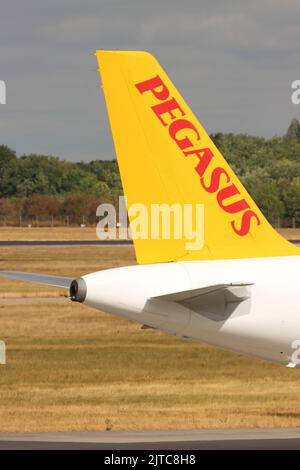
(233, 61)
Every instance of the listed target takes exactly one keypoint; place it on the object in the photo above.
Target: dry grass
(61, 261)
(78, 233)
(290, 233)
(47, 233)
(73, 368)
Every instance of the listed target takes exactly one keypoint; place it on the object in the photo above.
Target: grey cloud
(234, 62)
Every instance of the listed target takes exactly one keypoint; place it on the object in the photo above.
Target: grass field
(73, 368)
(47, 233)
(78, 233)
(68, 261)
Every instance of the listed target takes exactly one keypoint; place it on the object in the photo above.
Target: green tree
(267, 196)
(293, 131)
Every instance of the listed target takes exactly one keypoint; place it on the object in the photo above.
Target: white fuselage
(265, 325)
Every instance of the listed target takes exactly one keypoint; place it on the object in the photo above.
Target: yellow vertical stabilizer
(166, 157)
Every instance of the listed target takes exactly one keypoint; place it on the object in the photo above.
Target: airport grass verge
(73, 368)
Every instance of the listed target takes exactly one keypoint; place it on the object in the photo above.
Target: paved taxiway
(214, 439)
(58, 243)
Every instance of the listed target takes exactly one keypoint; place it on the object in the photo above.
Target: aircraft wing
(57, 281)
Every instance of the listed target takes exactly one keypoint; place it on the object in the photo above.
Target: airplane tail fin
(167, 160)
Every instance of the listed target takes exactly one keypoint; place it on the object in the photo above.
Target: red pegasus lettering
(156, 86)
(245, 225)
(167, 107)
(215, 180)
(227, 192)
(205, 156)
(179, 125)
(181, 131)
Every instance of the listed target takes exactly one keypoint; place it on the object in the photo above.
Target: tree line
(42, 188)
(45, 188)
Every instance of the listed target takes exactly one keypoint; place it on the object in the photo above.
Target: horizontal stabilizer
(216, 301)
(57, 281)
(192, 293)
